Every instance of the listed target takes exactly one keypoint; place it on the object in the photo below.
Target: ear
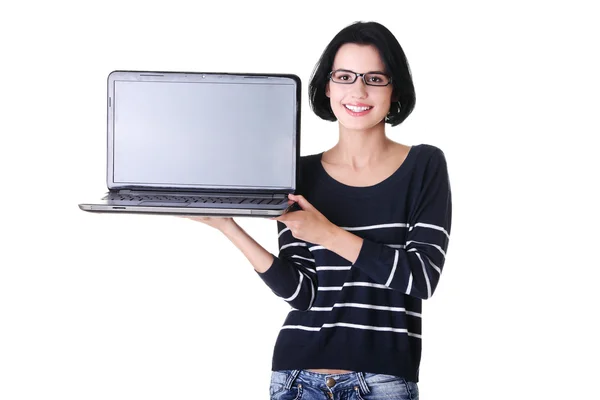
(327, 89)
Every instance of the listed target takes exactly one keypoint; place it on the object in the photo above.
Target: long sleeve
(292, 276)
(416, 268)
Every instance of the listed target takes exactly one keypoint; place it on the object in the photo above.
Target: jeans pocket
(278, 381)
(278, 391)
(294, 393)
(388, 387)
(413, 390)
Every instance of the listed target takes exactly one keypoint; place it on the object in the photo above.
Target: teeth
(356, 108)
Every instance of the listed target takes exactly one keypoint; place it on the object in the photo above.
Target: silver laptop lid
(215, 131)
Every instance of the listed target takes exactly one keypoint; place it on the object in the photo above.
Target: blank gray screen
(204, 134)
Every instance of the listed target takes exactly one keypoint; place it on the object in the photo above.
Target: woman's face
(358, 106)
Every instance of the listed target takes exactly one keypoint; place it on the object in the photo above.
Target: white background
(151, 307)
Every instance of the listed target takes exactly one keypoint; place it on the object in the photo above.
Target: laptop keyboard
(193, 199)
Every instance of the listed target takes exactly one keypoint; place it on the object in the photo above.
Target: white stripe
(426, 276)
(282, 231)
(328, 288)
(369, 327)
(389, 281)
(367, 284)
(306, 268)
(312, 294)
(429, 244)
(438, 269)
(304, 328)
(334, 268)
(367, 306)
(292, 244)
(304, 258)
(356, 326)
(380, 226)
(316, 248)
(409, 287)
(292, 297)
(396, 246)
(347, 284)
(431, 226)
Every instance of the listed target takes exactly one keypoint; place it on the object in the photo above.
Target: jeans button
(330, 382)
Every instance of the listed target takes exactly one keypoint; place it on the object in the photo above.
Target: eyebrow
(368, 72)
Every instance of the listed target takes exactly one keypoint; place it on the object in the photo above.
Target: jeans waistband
(342, 381)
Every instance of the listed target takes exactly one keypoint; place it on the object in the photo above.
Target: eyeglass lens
(370, 78)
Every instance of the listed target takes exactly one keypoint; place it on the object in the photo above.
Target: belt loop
(291, 378)
(363, 383)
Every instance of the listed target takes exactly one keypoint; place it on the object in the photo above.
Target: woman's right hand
(219, 223)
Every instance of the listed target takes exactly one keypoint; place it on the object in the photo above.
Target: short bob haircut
(392, 55)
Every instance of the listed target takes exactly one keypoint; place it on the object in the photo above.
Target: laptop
(190, 143)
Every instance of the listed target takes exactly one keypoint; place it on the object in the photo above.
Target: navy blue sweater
(364, 316)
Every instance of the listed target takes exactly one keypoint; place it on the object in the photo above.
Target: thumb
(302, 202)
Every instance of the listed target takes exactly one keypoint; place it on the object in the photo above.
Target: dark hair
(392, 55)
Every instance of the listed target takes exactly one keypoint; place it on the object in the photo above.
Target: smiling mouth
(357, 109)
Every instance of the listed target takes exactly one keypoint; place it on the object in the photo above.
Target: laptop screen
(202, 131)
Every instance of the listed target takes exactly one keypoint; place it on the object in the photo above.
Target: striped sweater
(364, 316)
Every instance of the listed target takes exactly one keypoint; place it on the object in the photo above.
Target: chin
(358, 125)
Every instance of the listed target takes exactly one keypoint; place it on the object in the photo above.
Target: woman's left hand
(307, 224)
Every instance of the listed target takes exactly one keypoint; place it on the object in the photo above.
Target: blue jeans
(305, 385)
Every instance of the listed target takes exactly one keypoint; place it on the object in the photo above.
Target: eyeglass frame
(330, 75)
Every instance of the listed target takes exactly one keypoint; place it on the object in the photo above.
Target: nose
(358, 88)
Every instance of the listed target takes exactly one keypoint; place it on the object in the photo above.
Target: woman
(368, 241)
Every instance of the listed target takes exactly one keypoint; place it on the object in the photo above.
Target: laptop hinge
(274, 196)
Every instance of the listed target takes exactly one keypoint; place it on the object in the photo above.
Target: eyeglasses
(345, 76)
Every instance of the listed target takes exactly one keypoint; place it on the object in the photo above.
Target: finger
(302, 202)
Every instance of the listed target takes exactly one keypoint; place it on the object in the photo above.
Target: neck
(360, 148)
